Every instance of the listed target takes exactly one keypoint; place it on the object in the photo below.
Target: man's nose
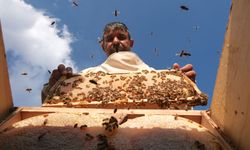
(116, 40)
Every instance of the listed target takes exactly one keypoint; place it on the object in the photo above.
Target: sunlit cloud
(33, 45)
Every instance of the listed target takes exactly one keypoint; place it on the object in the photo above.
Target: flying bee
(183, 53)
(92, 56)
(183, 7)
(52, 23)
(151, 33)
(99, 39)
(156, 51)
(116, 13)
(49, 71)
(75, 126)
(28, 90)
(196, 27)
(218, 52)
(75, 3)
(24, 73)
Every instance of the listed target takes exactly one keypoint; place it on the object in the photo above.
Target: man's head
(116, 38)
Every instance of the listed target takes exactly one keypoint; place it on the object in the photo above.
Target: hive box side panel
(5, 91)
(230, 107)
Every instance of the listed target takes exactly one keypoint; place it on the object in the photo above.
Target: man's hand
(59, 72)
(187, 70)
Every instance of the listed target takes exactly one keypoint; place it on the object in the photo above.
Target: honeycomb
(146, 89)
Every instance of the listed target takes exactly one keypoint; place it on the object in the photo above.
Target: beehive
(69, 130)
(146, 89)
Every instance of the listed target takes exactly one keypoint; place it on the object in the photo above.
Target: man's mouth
(116, 48)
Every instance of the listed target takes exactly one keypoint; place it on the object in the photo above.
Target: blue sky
(200, 31)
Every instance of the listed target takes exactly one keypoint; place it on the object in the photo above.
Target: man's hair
(115, 25)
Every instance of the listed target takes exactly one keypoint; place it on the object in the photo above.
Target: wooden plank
(207, 122)
(194, 115)
(11, 119)
(5, 91)
(230, 102)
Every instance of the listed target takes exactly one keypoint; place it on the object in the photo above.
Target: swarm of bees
(110, 124)
(166, 89)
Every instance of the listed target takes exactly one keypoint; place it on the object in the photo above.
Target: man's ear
(102, 44)
(131, 43)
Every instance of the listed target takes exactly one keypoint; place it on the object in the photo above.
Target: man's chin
(118, 50)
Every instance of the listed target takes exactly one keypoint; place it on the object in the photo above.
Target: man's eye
(109, 39)
(122, 37)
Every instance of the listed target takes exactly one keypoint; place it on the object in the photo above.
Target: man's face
(115, 41)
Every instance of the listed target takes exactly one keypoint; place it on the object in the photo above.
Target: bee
(92, 56)
(82, 127)
(45, 122)
(196, 27)
(183, 53)
(110, 123)
(75, 126)
(49, 71)
(28, 90)
(88, 137)
(99, 39)
(24, 73)
(151, 33)
(93, 81)
(176, 117)
(156, 52)
(115, 110)
(199, 145)
(183, 7)
(103, 142)
(123, 120)
(116, 13)
(41, 136)
(75, 3)
(52, 23)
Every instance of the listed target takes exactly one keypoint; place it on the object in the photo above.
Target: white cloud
(34, 46)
